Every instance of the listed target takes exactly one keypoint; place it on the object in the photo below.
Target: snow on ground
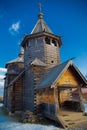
(10, 123)
(19, 126)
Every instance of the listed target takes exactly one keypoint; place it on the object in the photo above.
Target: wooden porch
(69, 98)
(70, 119)
(67, 109)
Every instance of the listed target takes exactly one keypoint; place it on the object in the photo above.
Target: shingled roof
(20, 58)
(41, 26)
(38, 62)
(16, 78)
(56, 72)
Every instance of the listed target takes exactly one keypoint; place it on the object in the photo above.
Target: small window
(52, 61)
(50, 42)
(47, 40)
(53, 43)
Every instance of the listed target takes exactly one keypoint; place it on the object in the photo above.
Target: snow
(19, 126)
(10, 123)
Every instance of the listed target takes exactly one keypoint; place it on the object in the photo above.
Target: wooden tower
(41, 49)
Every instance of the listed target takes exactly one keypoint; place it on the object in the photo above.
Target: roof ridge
(40, 26)
(38, 62)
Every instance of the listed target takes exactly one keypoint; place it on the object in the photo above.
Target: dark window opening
(52, 61)
(53, 43)
(50, 41)
(47, 40)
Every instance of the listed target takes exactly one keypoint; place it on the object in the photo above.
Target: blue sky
(66, 18)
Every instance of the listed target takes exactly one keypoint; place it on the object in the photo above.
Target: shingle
(52, 75)
(56, 72)
(38, 62)
(18, 59)
(41, 25)
(16, 78)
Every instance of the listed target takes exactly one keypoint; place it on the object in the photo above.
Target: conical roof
(20, 58)
(41, 25)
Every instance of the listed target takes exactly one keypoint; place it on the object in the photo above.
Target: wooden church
(39, 82)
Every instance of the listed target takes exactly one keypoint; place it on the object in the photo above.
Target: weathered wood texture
(34, 49)
(17, 95)
(69, 94)
(28, 94)
(7, 91)
(67, 89)
(45, 102)
(45, 96)
(13, 98)
(84, 93)
(52, 55)
(39, 73)
(69, 78)
(10, 96)
(37, 48)
(47, 53)
(7, 98)
(14, 68)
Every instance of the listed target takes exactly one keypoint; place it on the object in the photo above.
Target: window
(53, 43)
(52, 61)
(50, 41)
(47, 40)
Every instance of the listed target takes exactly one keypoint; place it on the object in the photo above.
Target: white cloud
(1, 84)
(2, 76)
(14, 28)
(3, 70)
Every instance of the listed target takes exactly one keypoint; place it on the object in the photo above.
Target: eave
(36, 35)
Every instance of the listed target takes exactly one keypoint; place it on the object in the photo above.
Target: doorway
(69, 98)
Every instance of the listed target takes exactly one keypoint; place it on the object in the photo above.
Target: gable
(68, 78)
(52, 75)
(64, 73)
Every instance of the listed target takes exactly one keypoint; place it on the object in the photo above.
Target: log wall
(7, 90)
(68, 78)
(38, 48)
(17, 95)
(28, 94)
(52, 55)
(45, 95)
(10, 96)
(15, 68)
(34, 49)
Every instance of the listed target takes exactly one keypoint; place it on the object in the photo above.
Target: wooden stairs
(69, 119)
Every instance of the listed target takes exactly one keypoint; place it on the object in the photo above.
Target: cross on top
(40, 7)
